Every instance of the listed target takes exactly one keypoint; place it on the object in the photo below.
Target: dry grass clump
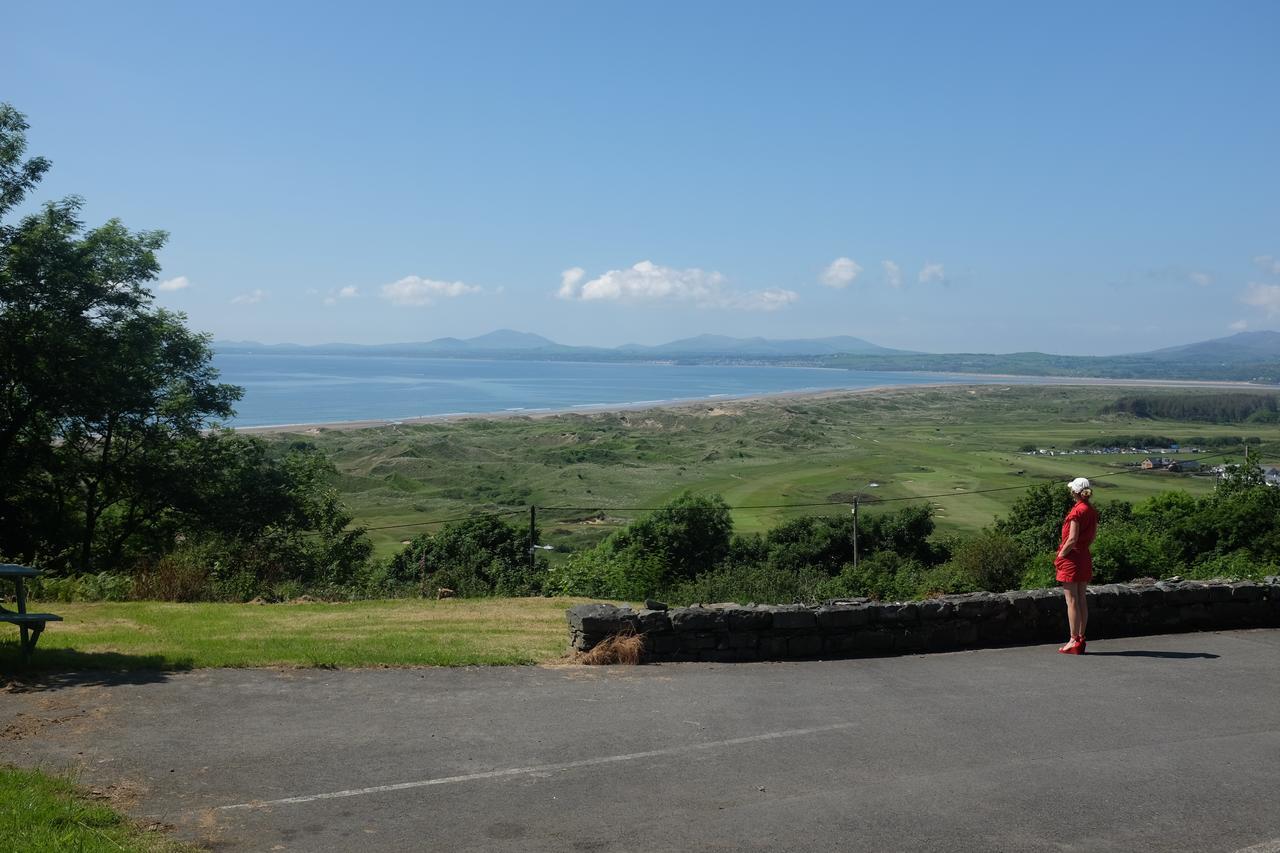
(624, 647)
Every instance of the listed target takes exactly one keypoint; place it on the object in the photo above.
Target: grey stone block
(1219, 592)
(687, 619)
(1246, 591)
(935, 609)
(601, 618)
(772, 648)
(653, 621)
(1022, 603)
(750, 619)
(835, 617)
(899, 614)
(744, 640)
(804, 646)
(793, 618)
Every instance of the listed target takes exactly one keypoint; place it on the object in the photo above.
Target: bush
(992, 561)
(104, 586)
(690, 535)
(597, 573)
(1040, 572)
(476, 557)
(1035, 519)
(1238, 565)
(755, 584)
(884, 576)
(1124, 552)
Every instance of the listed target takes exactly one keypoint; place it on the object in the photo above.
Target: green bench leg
(29, 638)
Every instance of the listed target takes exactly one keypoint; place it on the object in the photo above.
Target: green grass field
(409, 632)
(909, 442)
(43, 812)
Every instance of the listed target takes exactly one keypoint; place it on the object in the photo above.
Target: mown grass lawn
(407, 632)
(40, 812)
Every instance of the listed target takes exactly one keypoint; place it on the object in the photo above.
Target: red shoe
(1082, 644)
(1074, 647)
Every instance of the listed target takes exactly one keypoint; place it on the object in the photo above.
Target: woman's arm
(1070, 544)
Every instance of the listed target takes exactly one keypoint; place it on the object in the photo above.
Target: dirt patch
(31, 725)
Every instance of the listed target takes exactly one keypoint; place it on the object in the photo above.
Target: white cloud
(569, 281)
(892, 273)
(765, 300)
(1201, 278)
(252, 298)
(172, 284)
(1239, 326)
(1268, 264)
(414, 290)
(840, 272)
(649, 282)
(348, 292)
(932, 273)
(1264, 296)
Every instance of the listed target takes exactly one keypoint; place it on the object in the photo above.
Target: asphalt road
(1165, 743)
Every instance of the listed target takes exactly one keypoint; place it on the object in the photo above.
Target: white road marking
(542, 768)
(1272, 846)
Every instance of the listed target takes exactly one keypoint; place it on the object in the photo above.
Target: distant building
(1271, 476)
(1155, 463)
(1184, 465)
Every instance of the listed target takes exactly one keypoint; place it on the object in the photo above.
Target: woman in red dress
(1074, 564)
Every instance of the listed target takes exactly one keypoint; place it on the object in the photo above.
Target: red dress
(1078, 565)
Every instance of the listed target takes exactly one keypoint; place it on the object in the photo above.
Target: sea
(285, 389)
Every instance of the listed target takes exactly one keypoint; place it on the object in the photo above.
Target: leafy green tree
(478, 556)
(96, 384)
(689, 535)
(1035, 519)
(992, 560)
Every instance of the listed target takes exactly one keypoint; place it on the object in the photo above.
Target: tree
(1035, 519)
(689, 535)
(96, 385)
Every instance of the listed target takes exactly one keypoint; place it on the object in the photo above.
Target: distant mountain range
(508, 341)
(1242, 348)
(1247, 356)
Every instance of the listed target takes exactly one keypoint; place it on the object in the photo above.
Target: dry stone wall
(858, 627)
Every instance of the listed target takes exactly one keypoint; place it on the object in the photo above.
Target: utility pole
(533, 537)
(855, 534)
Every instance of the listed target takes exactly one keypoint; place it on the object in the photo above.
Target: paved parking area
(1167, 743)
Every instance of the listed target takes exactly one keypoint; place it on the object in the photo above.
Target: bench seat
(26, 618)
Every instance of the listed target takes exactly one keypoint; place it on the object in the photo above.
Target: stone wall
(858, 627)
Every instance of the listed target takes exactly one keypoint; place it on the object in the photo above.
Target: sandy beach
(731, 405)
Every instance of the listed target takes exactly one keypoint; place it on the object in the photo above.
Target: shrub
(104, 586)
(1040, 573)
(597, 573)
(1035, 519)
(884, 576)
(475, 557)
(992, 561)
(1238, 565)
(689, 535)
(755, 584)
(1124, 552)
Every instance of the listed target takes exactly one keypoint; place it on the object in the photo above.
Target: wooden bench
(30, 625)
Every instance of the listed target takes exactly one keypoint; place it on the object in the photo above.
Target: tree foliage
(107, 460)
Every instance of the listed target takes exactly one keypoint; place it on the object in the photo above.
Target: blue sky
(1075, 178)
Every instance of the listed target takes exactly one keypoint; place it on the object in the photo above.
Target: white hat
(1078, 485)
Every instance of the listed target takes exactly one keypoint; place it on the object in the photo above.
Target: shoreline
(315, 428)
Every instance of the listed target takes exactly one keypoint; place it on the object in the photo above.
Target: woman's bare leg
(1073, 617)
(1082, 607)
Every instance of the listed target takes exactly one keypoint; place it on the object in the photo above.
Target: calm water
(298, 389)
